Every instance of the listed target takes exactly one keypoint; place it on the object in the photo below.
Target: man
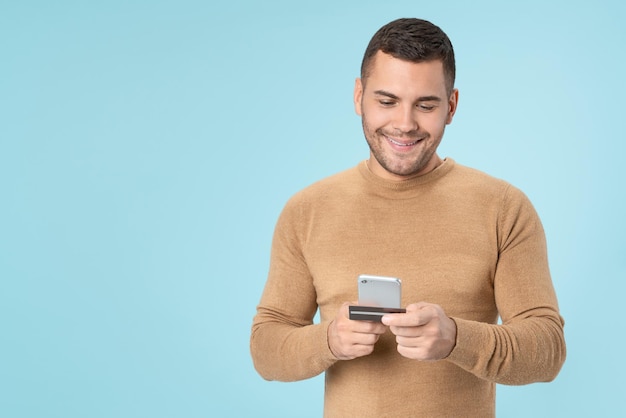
(468, 248)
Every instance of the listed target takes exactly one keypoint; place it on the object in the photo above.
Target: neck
(376, 168)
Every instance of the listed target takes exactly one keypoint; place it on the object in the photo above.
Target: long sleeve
(529, 344)
(285, 344)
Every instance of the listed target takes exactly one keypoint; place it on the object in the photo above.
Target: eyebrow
(421, 99)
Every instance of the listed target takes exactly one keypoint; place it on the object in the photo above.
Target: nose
(405, 119)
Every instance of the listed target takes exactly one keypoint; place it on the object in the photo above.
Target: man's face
(404, 108)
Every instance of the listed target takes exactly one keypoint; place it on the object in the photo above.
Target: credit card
(371, 313)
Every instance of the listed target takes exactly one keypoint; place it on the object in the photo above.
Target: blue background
(147, 148)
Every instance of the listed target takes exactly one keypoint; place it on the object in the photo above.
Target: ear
(358, 96)
(453, 101)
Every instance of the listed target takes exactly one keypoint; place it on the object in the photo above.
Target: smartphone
(384, 292)
(378, 295)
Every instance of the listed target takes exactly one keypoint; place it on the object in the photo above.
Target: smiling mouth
(402, 144)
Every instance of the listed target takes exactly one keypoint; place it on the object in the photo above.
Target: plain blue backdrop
(147, 148)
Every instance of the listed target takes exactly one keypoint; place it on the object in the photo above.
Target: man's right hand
(348, 339)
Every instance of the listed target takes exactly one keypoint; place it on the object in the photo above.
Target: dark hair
(414, 40)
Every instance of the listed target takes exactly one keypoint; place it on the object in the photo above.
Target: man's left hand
(424, 332)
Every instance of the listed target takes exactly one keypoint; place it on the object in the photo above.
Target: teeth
(401, 144)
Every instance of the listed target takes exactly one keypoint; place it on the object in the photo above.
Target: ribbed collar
(403, 189)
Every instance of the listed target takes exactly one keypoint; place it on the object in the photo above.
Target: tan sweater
(456, 237)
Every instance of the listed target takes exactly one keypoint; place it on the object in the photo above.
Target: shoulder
(512, 202)
(319, 199)
(484, 189)
(472, 177)
(478, 182)
(328, 188)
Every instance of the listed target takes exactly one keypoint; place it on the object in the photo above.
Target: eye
(386, 103)
(426, 107)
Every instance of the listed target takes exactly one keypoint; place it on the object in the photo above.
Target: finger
(408, 332)
(360, 350)
(345, 310)
(415, 353)
(410, 341)
(365, 339)
(345, 325)
(369, 327)
(413, 318)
